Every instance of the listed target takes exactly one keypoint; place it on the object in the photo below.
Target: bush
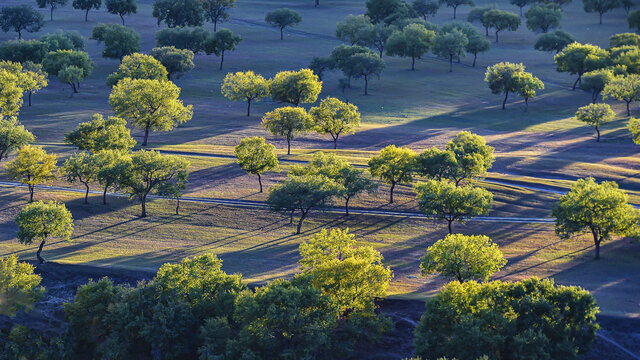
(183, 38)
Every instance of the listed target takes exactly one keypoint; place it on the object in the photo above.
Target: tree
(520, 4)
(526, 85)
(245, 86)
(121, 7)
(449, 45)
(633, 19)
(119, 40)
(30, 78)
(80, 167)
(111, 165)
(624, 88)
(387, 11)
(625, 60)
(71, 75)
(468, 320)
(10, 94)
(52, 4)
(377, 37)
(473, 157)
(556, 41)
(602, 209)
(221, 41)
(33, 166)
(463, 258)
(501, 79)
(334, 117)
(394, 166)
(138, 66)
(282, 18)
(341, 58)
(19, 286)
(543, 17)
(20, 18)
(627, 5)
(413, 41)
(477, 14)
(151, 105)
(366, 65)
(147, 171)
(255, 156)
(624, 39)
(216, 11)
(477, 44)
(183, 38)
(352, 276)
(101, 134)
(634, 129)
(38, 221)
(303, 194)
(64, 40)
(444, 200)
(179, 12)
(87, 5)
(319, 65)
(353, 29)
(595, 115)
(595, 81)
(455, 3)
(55, 62)
(426, 8)
(577, 59)
(23, 50)
(502, 20)
(177, 62)
(286, 121)
(600, 6)
(295, 87)
(13, 136)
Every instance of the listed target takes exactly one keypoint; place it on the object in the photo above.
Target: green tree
(526, 85)
(341, 58)
(59, 60)
(556, 41)
(477, 14)
(138, 66)
(319, 65)
(627, 5)
(173, 190)
(449, 45)
(623, 39)
(376, 37)
(413, 41)
(13, 136)
(426, 8)
(352, 276)
(303, 194)
(543, 17)
(595, 81)
(101, 134)
(577, 59)
(255, 156)
(473, 157)
(87, 5)
(111, 165)
(64, 40)
(600, 6)
(463, 258)
(121, 7)
(286, 121)
(625, 58)
(602, 209)
(634, 129)
(19, 286)
(353, 29)
(335, 118)
(38, 221)
(147, 171)
(633, 19)
(455, 3)
(80, 167)
(51, 4)
(119, 40)
(34, 79)
(501, 79)
(216, 11)
(28, 77)
(295, 87)
(20, 18)
(387, 11)
(183, 38)
(468, 320)
(394, 166)
(10, 94)
(624, 88)
(364, 66)
(520, 4)
(179, 12)
(177, 62)
(477, 44)
(502, 20)
(221, 41)
(282, 18)
(151, 105)
(449, 202)
(33, 166)
(595, 115)
(245, 86)
(23, 50)
(71, 75)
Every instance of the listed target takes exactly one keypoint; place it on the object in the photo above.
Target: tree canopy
(505, 78)
(245, 86)
(39, 221)
(179, 12)
(600, 6)
(222, 41)
(556, 41)
(19, 286)
(51, 4)
(287, 122)
(74, 65)
(177, 62)
(20, 18)
(119, 40)
(595, 115)
(138, 66)
(32, 166)
(335, 118)
(283, 18)
(450, 45)
(183, 38)
(13, 136)
(623, 88)
(255, 156)
(413, 41)
(80, 167)
(577, 59)
(501, 20)
(217, 11)
(543, 17)
(295, 87)
(455, 3)
(394, 166)
(87, 5)
(101, 134)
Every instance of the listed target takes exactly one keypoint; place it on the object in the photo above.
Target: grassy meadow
(543, 147)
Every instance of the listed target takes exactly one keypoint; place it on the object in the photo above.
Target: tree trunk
(526, 104)
(40, 259)
(628, 112)
(143, 201)
(31, 188)
(104, 195)
(450, 63)
(475, 56)
(288, 146)
(86, 194)
(249, 107)
(597, 243)
(52, 13)
(215, 26)
(146, 135)
(74, 88)
(393, 185)
(454, 12)
(504, 102)
(19, 35)
(413, 63)
(221, 60)
(600, 18)
(281, 34)
(346, 207)
(291, 217)
(260, 181)
(122, 18)
(304, 214)
(177, 206)
(521, 11)
(497, 36)
(86, 16)
(577, 81)
(594, 96)
(598, 132)
(30, 97)
(335, 143)
(366, 85)
(381, 50)
(449, 225)
(317, 3)
(486, 31)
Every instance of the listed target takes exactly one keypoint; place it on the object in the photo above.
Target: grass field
(427, 107)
